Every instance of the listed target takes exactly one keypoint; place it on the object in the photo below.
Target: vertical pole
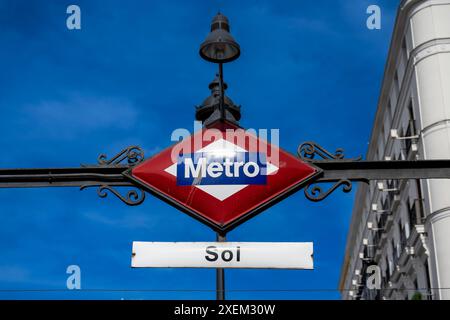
(220, 274)
(222, 93)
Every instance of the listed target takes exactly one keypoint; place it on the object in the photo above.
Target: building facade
(403, 227)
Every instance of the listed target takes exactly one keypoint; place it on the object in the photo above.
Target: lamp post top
(220, 46)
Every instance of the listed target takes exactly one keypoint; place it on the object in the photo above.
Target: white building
(404, 226)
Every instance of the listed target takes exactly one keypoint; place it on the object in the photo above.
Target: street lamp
(220, 47)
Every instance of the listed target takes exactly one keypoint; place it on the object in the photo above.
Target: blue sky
(130, 76)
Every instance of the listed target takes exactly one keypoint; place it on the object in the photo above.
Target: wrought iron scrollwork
(132, 155)
(124, 159)
(308, 150)
(133, 197)
(315, 193)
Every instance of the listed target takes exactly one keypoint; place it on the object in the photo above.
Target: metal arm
(364, 171)
(335, 168)
(63, 177)
(108, 173)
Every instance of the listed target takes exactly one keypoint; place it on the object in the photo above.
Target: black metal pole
(222, 93)
(333, 170)
(220, 274)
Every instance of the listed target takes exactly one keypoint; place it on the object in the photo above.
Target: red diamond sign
(222, 175)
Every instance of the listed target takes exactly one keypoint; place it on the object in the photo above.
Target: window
(407, 229)
(402, 155)
(396, 86)
(391, 268)
(415, 213)
(393, 100)
(404, 53)
(391, 110)
(395, 253)
(402, 65)
(380, 150)
(411, 129)
(386, 128)
(427, 278)
(403, 238)
(411, 114)
(388, 269)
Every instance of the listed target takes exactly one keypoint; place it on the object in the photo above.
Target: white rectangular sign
(256, 255)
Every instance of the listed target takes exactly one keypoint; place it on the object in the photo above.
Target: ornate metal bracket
(315, 193)
(308, 150)
(133, 197)
(132, 155)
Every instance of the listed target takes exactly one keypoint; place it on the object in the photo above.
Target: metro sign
(222, 175)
